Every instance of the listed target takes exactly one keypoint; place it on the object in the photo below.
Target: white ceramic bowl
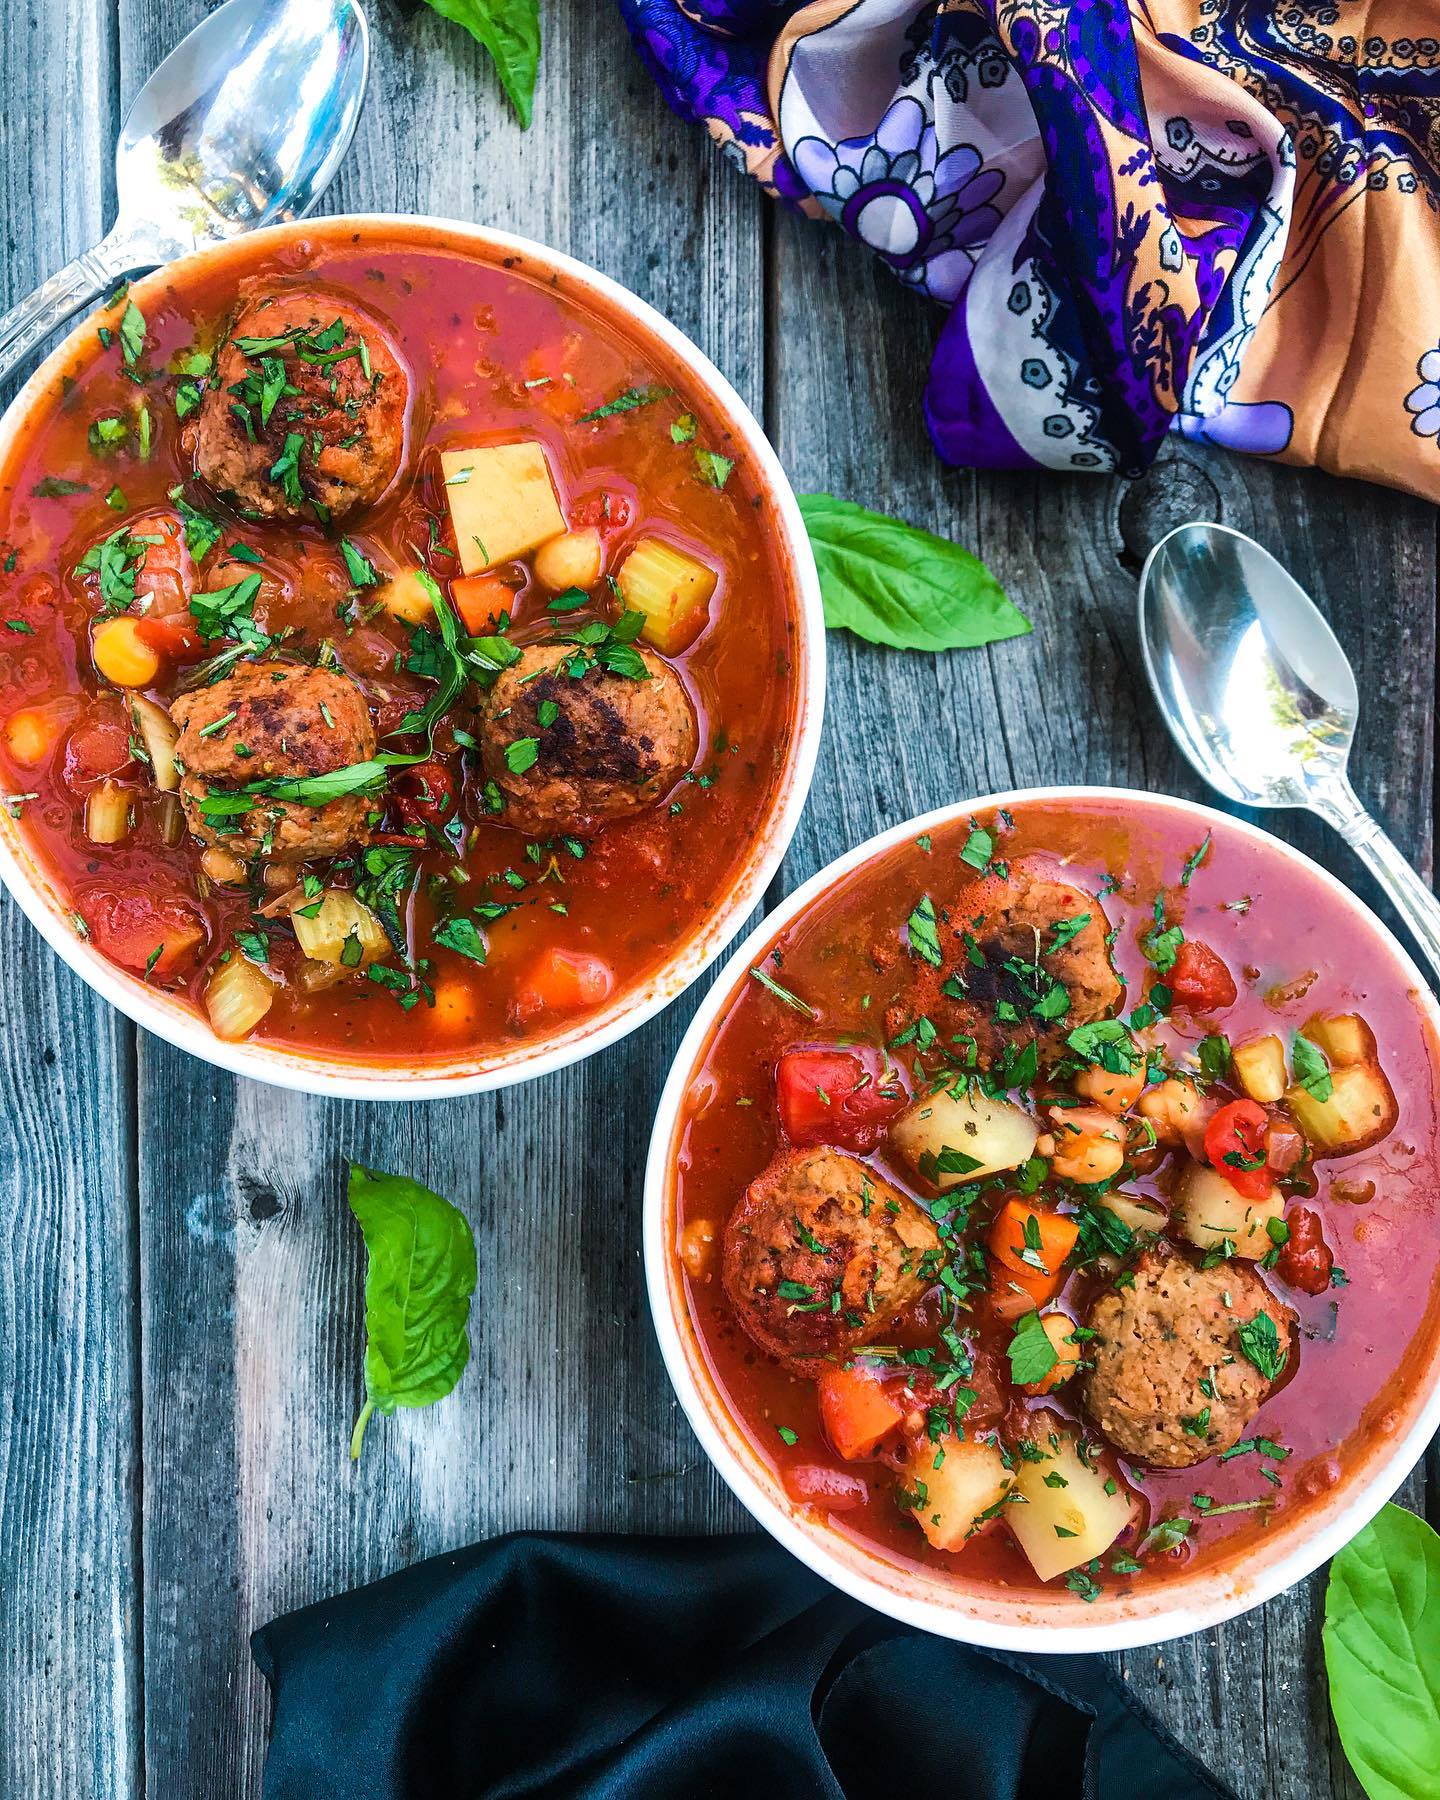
(316, 1072)
(1029, 1620)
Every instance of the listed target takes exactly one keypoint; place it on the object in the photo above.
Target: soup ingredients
(893, 584)
(571, 744)
(305, 417)
(1171, 1382)
(821, 1253)
(960, 1134)
(1341, 1097)
(1070, 1507)
(1382, 1654)
(419, 1276)
(671, 590)
(955, 1486)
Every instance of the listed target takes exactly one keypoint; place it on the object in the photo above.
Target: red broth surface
(1279, 932)
(494, 354)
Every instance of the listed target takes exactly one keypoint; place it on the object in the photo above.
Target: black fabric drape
(619, 1668)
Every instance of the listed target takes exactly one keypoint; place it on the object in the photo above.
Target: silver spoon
(243, 124)
(1260, 696)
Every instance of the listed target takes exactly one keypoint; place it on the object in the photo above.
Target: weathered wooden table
(180, 1326)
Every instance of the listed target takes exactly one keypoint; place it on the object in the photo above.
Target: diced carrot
(1031, 1242)
(857, 1408)
(1012, 1294)
(454, 1005)
(480, 600)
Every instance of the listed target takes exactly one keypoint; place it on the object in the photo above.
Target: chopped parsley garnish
(1260, 1343)
(712, 468)
(1032, 1355)
(463, 936)
(978, 848)
(1312, 1071)
(922, 933)
(1194, 860)
(783, 994)
(286, 469)
(521, 754)
(359, 566)
(630, 401)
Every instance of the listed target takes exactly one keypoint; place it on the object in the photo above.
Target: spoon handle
(78, 284)
(1413, 900)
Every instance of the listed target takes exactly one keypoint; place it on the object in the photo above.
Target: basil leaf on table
(419, 1277)
(893, 584)
(1382, 1655)
(510, 31)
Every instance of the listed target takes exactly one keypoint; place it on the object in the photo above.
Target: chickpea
(122, 655)
(1088, 1144)
(575, 559)
(1116, 1093)
(1177, 1114)
(223, 868)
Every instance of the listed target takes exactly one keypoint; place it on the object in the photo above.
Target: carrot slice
(857, 1409)
(1031, 1243)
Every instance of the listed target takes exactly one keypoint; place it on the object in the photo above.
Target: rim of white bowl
(1031, 1621)
(315, 1072)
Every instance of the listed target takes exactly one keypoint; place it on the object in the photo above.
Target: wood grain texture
(1070, 703)
(69, 1424)
(180, 1329)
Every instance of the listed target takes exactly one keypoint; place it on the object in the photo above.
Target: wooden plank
(69, 1612)
(1070, 703)
(251, 1265)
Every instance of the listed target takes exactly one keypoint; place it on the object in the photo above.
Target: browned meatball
(1000, 955)
(305, 413)
(815, 1224)
(273, 719)
(1155, 1343)
(605, 746)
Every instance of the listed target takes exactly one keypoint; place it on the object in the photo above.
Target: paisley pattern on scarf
(1216, 217)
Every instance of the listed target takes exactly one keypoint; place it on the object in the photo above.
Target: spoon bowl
(1251, 679)
(1261, 698)
(245, 122)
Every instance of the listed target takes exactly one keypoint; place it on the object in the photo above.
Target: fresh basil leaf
(892, 584)
(510, 31)
(419, 1277)
(1382, 1654)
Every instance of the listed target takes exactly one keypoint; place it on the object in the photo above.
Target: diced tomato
(815, 1484)
(858, 1407)
(131, 927)
(1305, 1260)
(1284, 1146)
(425, 794)
(99, 745)
(1200, 980)
(166, 574)
(562, 981)
(173, 634)
(1235, 1146)
(480, 600)
(830, 1097)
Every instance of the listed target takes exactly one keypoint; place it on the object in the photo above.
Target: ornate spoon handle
(1412, 899)
(76, 285)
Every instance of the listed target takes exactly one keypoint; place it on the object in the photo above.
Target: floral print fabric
(1216, 217)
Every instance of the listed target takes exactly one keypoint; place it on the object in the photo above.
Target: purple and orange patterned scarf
(1216, 217)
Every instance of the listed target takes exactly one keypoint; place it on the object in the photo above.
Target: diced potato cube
(982, 1135)
(343, 931)
(1344, 1037)
(1067, 1516)
(1213, 1215)
(672, 589)
(1260, 1068)
(1134, 1210)
(502, 502)
(951, 1501)
(1360, 1111)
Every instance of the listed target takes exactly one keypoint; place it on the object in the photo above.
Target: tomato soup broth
(842, 977)
(553, 918)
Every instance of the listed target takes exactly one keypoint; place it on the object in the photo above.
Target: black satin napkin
(622, 1668)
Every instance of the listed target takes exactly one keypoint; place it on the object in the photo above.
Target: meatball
(605, 746)
(273, 719)
(815, 1224)
(1000, 954)
(1155, 1343)
(305, 412)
